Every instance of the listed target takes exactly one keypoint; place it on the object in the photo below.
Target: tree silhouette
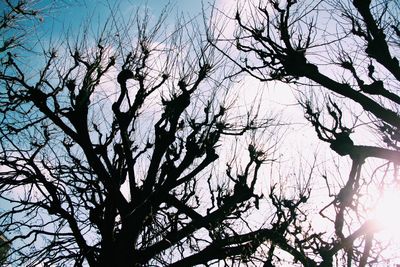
(125, 147)
(345, 52)
(109, 152)
(15, 22)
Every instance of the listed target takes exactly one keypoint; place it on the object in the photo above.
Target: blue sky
(71, 13)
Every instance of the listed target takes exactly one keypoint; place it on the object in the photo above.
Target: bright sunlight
(386, 213)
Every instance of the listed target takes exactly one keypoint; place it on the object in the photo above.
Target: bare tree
(109, 153)
(16, 20)
(346, 53)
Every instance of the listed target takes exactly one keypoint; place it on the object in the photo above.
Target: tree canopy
(130, 145)
(341, 58)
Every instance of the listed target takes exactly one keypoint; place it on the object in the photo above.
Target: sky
(61, 17)
(73, 12)
(68, 16)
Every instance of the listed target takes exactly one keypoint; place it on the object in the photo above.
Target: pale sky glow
(385, 212)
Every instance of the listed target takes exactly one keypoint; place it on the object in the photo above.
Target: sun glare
(386, 213)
